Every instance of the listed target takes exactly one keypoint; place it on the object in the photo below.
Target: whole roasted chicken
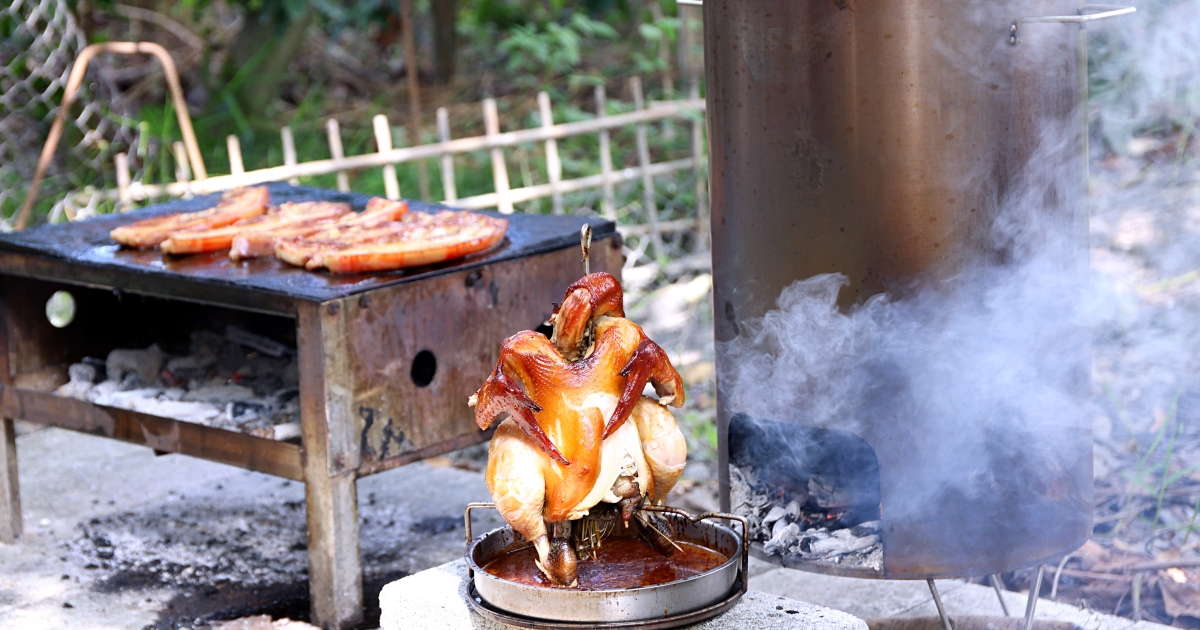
(579, 435)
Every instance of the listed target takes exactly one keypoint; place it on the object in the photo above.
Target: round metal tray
(674, 603)
(487, 611)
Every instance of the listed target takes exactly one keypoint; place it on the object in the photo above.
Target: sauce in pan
(621, 562)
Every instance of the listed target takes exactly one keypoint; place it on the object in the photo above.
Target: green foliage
(552, 49)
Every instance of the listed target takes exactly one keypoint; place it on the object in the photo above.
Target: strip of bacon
(260, 241)
(300, 251)
(287, 214)
(463, 235)
(235, 205)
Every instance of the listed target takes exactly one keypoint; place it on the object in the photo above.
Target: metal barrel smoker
(881, 140)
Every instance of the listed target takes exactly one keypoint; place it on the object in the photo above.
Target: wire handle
(1105, 11)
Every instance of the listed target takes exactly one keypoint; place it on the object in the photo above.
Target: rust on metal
(420, 350)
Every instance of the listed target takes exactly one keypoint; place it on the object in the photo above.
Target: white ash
(778, 531)
(238, 381)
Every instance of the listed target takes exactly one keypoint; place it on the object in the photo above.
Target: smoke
(973, 389)
(1144, 70)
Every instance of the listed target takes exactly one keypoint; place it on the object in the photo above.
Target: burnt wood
(82, 253)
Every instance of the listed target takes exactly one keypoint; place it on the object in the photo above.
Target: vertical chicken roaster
(567, 465)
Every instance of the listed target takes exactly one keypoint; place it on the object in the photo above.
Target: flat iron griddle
(82, 253)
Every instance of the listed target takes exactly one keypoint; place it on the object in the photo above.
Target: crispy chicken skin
(566, 444)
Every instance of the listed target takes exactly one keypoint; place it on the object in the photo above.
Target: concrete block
(436, 600)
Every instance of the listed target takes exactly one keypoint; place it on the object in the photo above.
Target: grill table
(386, 360)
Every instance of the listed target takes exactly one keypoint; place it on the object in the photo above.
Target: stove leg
(330, 467)
(1034, 590)
(334, 566)
(937, 601)
(10, 493)
(995, 580)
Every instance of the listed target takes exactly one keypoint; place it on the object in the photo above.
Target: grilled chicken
(235, 205)
(260, 242)
(287, 215)
(566, 444)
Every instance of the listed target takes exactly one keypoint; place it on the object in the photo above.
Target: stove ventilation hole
(424, 368)
(60, 309)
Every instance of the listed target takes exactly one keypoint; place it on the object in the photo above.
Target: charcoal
(267, 346)
(144, 364)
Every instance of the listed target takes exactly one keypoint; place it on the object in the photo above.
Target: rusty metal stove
(364, 408)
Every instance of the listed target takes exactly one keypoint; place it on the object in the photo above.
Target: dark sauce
(621, 562)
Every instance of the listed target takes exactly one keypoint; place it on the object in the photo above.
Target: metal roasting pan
(663, 606)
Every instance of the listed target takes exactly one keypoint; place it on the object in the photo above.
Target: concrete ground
(203, 522)
(171, 527)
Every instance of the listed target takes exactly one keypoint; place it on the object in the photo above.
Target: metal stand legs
(995, 580)
(1034, 590)
(937, 600)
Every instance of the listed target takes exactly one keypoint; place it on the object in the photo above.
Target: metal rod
(553, 164)
(449, 188)
(1057, 574)
(75, 79)
(937, 601)
(383, 140)
(585, 244)
(491, 124)
(1034, 590)
(333, 133)
(995, 580)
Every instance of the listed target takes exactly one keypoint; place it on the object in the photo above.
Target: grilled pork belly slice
(235, 205)
(457, 237)
(300, 251)
(260, 241)
(286, 215)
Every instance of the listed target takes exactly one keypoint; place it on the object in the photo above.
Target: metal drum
(881, 140)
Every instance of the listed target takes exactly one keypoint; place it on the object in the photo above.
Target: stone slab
(910, 598)
(436, 599)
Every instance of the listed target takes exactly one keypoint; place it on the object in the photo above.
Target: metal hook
(585, 244)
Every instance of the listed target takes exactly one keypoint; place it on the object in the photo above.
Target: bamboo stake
(491, 123)
(333, 132)
(236, 167)
(123, 181)
(643, 150)
(414, 92)
(608, 204)
(553, 165)
(383, 139)
(449, 188)
(183, 171)
(699, 160)
(289, 151)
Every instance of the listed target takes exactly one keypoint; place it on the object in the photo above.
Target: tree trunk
(445, 39)
(255, 95)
